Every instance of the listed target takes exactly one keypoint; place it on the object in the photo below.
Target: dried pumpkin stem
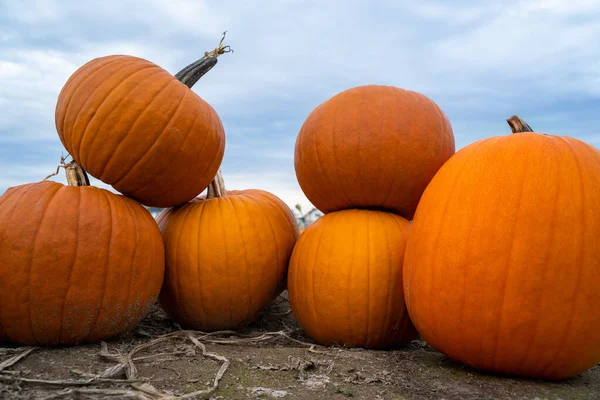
(517, 125)
(76, 176)
(196, 70)
(217, 187)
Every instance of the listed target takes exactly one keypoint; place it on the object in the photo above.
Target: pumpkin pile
(364, 158)
(491, 254)
(82, 264)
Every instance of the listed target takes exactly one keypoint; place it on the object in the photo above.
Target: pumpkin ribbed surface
(226, 258)
(502, 266)
(372, 146)
(345, 280)
(134, 126)
(78, 264)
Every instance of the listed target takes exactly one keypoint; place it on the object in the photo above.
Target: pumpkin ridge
(71, 127)
(25, 190)
(111, 91)
(30, 267)
(368, 252)
(179, 304)
(203, 212)
(73, 263)
(176, 183)
(107, 165)
(273, 234)
(68, 133)
(318, 160)
(281, 207)
(216, 155)
(509, 263)
(162, 131)
(245, 247)
(392, 182)
(551, 241)
(107, 263)
(435, 245)
(351, 268)
(132, 271)
(60, 106)
(298, 157)
(334, 129)
(226, 250)
(312, 279)
(576, 291)
(404, 234)
(90, 146)
(388, 312)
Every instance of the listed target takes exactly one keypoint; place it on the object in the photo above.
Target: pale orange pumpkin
(502, 266)
(226, 257)
(345, 280)
(78, 263)
(372, 146)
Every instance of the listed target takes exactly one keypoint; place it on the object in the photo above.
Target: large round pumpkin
(345, 280)
(502, 268)
(77, 264)
(134, 126)
(372, 147)
(226, 257)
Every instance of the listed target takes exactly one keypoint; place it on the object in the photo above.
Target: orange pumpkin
(345, 280)
(226, 257)
(502, 267)
(78, 264)
(372, 147)
(136, 127)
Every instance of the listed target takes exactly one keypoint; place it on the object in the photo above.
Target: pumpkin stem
(196, 70)
(76, 176)
(517, 125)
(217, 187)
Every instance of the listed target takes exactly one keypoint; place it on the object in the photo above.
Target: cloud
(480, 61)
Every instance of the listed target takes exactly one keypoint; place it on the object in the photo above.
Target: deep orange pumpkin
(502, 267)
(372, 147)
(345, 280)
(136, 127)
(226, 257)
(78, 264)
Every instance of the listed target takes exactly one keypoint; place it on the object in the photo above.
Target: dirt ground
(271, 359)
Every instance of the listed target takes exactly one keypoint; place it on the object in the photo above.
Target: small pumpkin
(226, 257)
(345, 280)
(502, 267)
(78, 263)
(136, 127)
(372, 146)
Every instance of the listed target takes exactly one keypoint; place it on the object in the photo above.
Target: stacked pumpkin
(82, 264)
(364, 158)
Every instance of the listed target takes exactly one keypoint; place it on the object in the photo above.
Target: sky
(480, 61)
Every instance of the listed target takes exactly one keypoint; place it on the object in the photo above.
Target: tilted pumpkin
(226, 257)
(345, 280)
(502, 266)
(372, 146)
(136, 127)
(78, 263)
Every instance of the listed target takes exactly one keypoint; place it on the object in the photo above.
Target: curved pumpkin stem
(196, 70)
(217, 187)
(76, 176)
(517, 125)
